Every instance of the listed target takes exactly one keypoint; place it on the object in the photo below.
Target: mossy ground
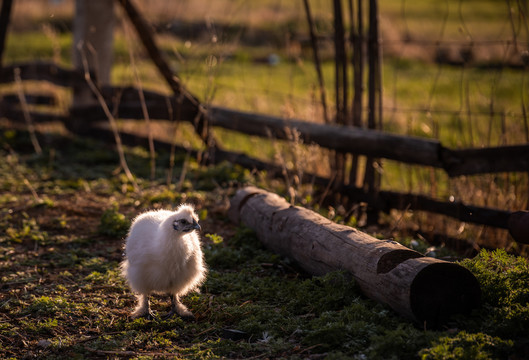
(64, 215)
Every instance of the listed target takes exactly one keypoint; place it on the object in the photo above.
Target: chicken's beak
(196, 226)
(191, 227)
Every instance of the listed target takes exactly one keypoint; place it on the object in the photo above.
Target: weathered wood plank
(367, 142)
(519, 226)
(423, 289)
(340, 138)
(486, 160)
(385, 200)
(407, 149)
(34, 99)
(43, 71)
(15, 113)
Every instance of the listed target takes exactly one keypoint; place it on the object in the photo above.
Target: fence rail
(345, 139)
(359, 141)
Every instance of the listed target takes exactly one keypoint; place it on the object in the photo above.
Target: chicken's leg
(178, 308)
(143, 308)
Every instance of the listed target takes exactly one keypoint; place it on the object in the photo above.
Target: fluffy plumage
(163, 255)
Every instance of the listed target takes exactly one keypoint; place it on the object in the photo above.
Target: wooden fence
(90, 120)
(412, 150)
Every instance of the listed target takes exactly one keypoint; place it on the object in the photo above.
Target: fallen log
(423, 289)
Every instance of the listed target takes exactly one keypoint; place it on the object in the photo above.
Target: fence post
(317, 62)
(5, 14)
(93, 42)
(357, 38)
(341, 85)
(374, 121)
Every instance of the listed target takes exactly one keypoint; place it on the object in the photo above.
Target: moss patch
(62, 296)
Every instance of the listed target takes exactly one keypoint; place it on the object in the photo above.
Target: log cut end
(238, 201)
(441, 290)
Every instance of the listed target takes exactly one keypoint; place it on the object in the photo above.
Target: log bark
(423, 289)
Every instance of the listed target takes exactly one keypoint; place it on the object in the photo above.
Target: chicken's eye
(183, 222)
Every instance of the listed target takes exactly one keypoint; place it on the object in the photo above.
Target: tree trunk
(423, 289)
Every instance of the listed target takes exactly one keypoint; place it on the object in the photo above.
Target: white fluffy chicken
(163, 255)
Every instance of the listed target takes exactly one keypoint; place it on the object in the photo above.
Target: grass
(424, 20)
(445, 96)
(23, 47)
(63, 297)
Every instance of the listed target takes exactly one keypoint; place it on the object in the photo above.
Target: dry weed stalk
(282, 162)
(52, 35)
(297, 160)
(183, 174)
(25, 111)
(173, 141)
(110, 118)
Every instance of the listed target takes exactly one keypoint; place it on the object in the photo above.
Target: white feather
(161, 259)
